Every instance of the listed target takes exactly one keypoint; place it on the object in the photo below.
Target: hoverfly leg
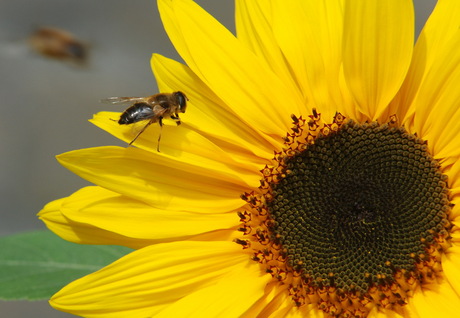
(140, 132)
(160, 121)
(176, 118)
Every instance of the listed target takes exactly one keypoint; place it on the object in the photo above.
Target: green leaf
(36, 265)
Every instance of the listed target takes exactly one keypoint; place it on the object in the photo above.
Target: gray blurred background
(45, 104)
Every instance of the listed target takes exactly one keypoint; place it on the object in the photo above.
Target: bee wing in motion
(120, 100)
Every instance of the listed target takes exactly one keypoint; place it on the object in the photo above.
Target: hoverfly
(152, 108)
(58, 44)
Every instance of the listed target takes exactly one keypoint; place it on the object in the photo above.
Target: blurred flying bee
(152, 108)
(58, 44)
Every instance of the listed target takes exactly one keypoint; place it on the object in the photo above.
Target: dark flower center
(358, 204)
(350, 216)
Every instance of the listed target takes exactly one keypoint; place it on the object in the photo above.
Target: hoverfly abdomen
(135, 113)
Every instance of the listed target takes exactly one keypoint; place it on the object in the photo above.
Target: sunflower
(315, 174)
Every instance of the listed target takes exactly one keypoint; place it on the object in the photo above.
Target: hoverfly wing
(120, 100)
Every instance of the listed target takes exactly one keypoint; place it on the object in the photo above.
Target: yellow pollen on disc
(350, 216)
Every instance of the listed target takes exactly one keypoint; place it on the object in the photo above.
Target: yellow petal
(210, 116)
(145, 281)
(437, 118)
(455, 211)
(230, 297)
(275, 296)
(438, 31)
(278, 303)
(296, 312)
(377, 49)
(184, 146)
(154, 180)
(441, 301)
(132, 218)
(254, 27)
(230, 69)
(442, 25)
(375, 313)
(454, 175)
(83, 233)
(453, 182)
(309, 34)
(450, 261)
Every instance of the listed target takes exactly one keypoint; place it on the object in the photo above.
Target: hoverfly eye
(181, 100)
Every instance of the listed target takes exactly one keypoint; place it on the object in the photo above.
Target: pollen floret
(350, 216)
